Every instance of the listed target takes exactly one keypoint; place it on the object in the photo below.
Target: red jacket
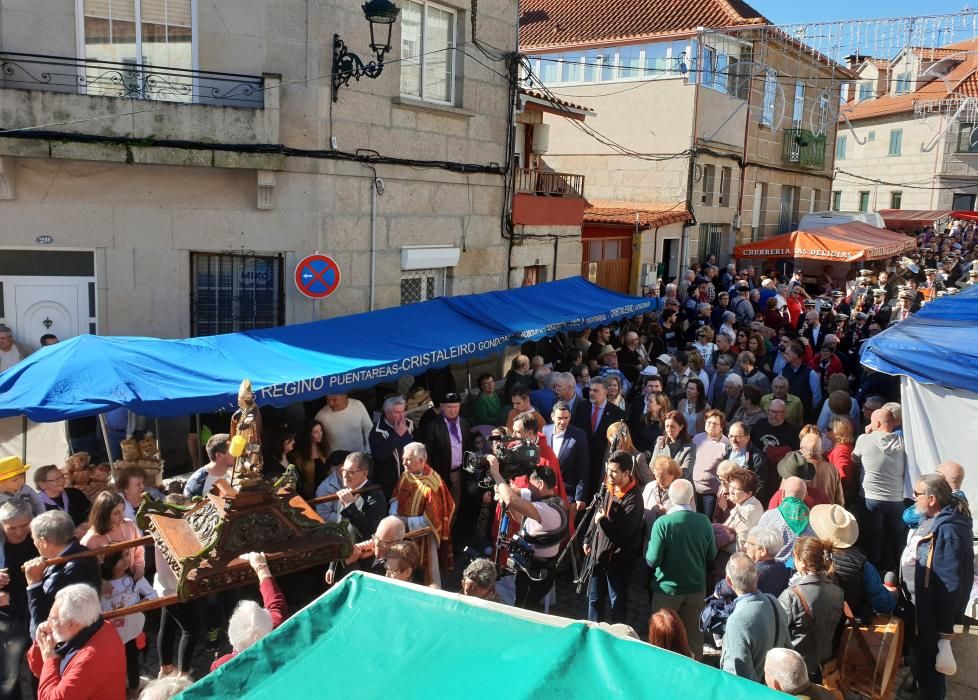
(274, 602)
(97, 671)
(815, 497)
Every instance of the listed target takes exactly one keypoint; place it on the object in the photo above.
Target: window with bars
(422, 285)
(234, 292)
(711, 238)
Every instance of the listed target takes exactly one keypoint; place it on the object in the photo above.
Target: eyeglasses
(918, 494)
(347, 472)
(733, 436)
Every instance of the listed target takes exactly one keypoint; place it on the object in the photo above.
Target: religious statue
(246, 437)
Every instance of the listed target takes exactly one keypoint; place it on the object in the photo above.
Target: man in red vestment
(422, 499)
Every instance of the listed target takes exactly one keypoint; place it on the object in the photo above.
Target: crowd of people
(727, 448)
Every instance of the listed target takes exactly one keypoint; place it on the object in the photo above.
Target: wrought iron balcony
(804, 148)
(129, 80)
(546, 183)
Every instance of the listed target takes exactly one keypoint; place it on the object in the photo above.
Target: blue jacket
(945, 572)
(40, 596)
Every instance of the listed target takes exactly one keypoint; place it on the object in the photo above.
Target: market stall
(912, 220)
(939, 394)
(89, 375)
(837, 247)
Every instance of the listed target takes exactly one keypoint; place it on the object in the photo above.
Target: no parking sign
(317, 276)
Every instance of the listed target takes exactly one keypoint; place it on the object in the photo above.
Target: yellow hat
(11, 467)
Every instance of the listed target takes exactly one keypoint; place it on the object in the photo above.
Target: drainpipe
(684, 243)
(376, 188)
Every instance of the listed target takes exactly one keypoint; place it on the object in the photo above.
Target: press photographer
(543, 525)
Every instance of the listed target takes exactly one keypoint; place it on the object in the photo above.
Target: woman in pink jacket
(108, 525)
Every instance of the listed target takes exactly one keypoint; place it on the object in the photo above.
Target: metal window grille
(233, 292)
(712, 239)
(421, 285)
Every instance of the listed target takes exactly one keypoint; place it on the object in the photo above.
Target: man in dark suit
(880, 311)
(53, 533)
(365, 510)
(594, 417)
(570, 445)
(447, 436)
(814, 331)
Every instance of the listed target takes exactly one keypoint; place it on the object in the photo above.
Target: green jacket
(681, 547)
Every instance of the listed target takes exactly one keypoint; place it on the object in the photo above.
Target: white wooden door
(34, 306)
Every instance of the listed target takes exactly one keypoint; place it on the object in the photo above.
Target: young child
(120, 591)
(13, 484)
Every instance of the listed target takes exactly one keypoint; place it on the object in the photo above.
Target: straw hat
(11, 467)
(834, 524)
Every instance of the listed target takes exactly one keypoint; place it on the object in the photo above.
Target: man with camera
(543, 525)
(614, 540)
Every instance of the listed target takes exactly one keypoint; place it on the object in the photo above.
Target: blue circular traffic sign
(317, 276)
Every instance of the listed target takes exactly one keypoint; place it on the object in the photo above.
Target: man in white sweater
(884, 466)
(346, 423)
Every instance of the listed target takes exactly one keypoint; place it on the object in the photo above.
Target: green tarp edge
(370, 637)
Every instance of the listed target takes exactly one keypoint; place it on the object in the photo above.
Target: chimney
(853, 60)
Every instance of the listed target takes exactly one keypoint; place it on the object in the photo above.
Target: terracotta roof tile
(555, 101)
(649, 213)
(931, 53)
(554, 23)
(960, 81)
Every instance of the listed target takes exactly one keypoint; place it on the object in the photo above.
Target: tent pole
(23, 439)
(105, 439)
(200, 443)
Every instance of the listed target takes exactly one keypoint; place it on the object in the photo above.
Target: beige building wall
(770, 172)
(871, 160)
(654, 117)
(144, 209)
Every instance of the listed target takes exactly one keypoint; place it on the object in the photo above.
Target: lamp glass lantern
(380, 14)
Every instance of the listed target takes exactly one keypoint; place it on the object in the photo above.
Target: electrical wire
(902, 184)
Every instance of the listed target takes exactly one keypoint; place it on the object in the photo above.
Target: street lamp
(346, 65)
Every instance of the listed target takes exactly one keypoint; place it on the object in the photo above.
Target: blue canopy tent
(935, 353)
(89, 375)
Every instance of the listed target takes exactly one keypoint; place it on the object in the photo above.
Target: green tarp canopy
(371, 637)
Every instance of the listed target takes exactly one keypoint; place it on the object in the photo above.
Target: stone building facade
(169, 184)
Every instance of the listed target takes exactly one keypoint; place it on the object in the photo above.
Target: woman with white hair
(250, 621)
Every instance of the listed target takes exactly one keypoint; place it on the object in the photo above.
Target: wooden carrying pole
(101, 551)
(334, 497)
(158, 603)
(144, 606)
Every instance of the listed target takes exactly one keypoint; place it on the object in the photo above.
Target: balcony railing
(546, 183)
(129, 80)
(804, 148)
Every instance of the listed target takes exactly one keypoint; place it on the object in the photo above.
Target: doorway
(670, 259)
(607, 261)
(47, 292)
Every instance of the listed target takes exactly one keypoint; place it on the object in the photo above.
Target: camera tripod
(581, 575)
